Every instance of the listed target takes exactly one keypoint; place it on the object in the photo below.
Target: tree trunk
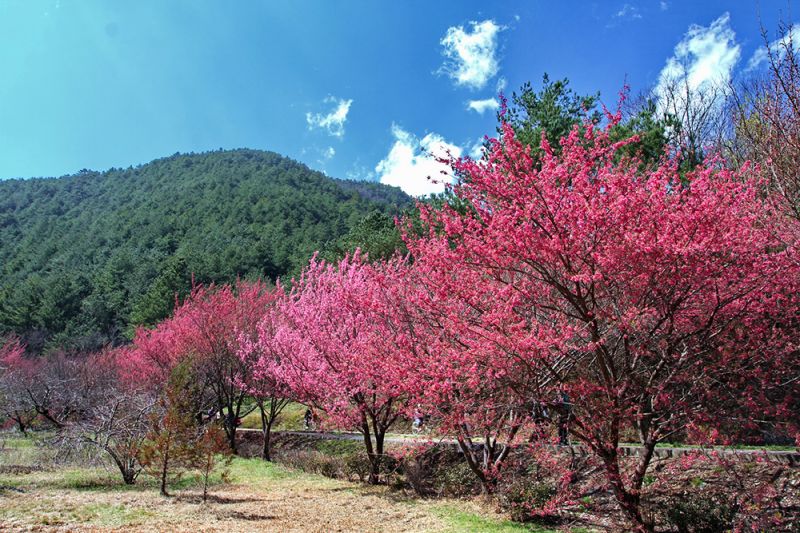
(629, 501)
(165, 467)
(230, 431)
(128, 476)
(475, 465)
(374, 465)
(164, 471)
(267, 431)
(126, 467)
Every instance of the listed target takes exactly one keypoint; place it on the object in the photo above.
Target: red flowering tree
(206, 329)
(458, 375)
(620, 300)
(340, 356)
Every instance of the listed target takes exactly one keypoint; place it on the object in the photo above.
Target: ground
(259, 497)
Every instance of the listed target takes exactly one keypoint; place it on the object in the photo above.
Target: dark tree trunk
(628, 500)
(164, 471)
(374, 465)
(23, 428)
(229, 423)
(267, 432)
(487, 487)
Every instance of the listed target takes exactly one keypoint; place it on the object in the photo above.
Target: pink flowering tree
(340, 356)
(621, 299)
(263, 357)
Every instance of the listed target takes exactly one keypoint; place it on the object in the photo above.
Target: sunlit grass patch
(460, 520)
(290, 419)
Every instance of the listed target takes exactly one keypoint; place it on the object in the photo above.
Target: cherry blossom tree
(339, 354)
(264, 381)
(458, 377)
(629, 299)
(207, 328)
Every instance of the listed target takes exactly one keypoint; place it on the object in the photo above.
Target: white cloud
(412, 164)
(471, 56)
(478, 149)
(501, 85)
(334, 121)
(488, 104)
(329, 152)
(778, 48)
(482, 106)
(703, 60)
(628, 12)
(664, 5)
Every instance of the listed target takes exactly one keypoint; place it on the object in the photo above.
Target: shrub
(454, 479)
(356, 465)
(523, 496)
(694, 512)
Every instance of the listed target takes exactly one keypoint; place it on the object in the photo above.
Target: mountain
(85, 257)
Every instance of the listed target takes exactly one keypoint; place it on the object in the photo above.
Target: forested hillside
(85, 257)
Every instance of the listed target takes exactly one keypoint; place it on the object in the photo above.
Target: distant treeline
(84, 258)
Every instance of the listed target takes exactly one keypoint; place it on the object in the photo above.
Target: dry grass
(260, 497)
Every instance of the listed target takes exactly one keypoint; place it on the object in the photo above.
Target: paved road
(792, 458)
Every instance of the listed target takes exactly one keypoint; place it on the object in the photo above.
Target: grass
(460, 520)
(259, 496)
(338, 447)
(290, 419)
(30, 451)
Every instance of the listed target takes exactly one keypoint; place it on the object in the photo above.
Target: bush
(356, 465)
(350, 465)
(523, 496)
(454, 479)
(693, 512)
(434, 471)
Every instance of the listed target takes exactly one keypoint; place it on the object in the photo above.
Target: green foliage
(554, 110)
(376, 235)
(85, 257)
(651, 130)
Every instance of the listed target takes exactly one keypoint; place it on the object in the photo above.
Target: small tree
(208, 449)
(168, 449)
(114, 416)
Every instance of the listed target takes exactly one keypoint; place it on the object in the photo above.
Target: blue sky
(358, 89)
